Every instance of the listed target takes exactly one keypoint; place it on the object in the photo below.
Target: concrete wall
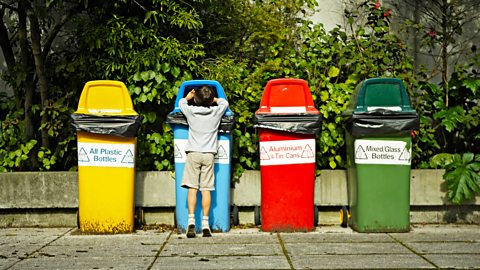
(51, 198)
(330, 14)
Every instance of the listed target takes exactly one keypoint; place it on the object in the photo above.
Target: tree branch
(7, 49)
(35, 36)
(8, 6)
(56, 29)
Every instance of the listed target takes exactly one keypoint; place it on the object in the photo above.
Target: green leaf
(31, 144)
(145, 75)
(467, 158)
(472, 84)
(451, 118)
(332, 164)
(148, 14)
(151, 117)
(159, 78)
(175, 71)
(165, 67)
(138, 90)
(146, 88)
(463, 181)
(324, 96)
(441, 160)
(333, 72)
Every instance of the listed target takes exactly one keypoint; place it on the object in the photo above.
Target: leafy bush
(462, 175)
(454, 128)
(13, 150)
(154, 52)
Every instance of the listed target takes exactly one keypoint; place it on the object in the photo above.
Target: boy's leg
(207, 183)
(206, 202)
(190, 181)
(191, 202)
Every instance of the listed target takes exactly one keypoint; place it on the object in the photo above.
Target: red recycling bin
(287, 122)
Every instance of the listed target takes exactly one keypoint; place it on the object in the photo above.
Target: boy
(203, 122)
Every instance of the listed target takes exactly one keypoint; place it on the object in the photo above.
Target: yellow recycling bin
(106, 125)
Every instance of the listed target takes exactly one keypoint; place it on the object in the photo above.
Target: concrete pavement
(329, 247)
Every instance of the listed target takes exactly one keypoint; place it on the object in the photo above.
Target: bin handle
(369, 126)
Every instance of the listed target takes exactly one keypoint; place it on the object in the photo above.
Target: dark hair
(204, 96)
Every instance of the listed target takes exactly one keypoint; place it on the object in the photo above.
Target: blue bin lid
(187, 86)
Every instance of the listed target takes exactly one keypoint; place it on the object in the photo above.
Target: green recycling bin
(379, 126)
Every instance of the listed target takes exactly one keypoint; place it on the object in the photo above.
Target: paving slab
(251, 237)
(345, 248)
(212, 249)
(446, 248)
(32, 232)
(18, 250)
(316, 237)
(79, 263)
(363, 261)
(5, 263)
(455, 261)
(425, 247)
(435, 233)
(132, 245)
(19, 243)
(222, 262)
(30, 236)
(99, 251)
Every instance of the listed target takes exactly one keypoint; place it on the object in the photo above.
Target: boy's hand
(190, 95)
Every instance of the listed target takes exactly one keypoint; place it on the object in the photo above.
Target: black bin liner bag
(294, 123)
(116, 125)
(382, 122)
(226, 124)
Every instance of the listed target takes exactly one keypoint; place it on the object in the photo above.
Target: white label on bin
(106, 155)
(382, 152)
(221, 157)
(100, 111)
(292, 109)
(287, 152)
(390, 108)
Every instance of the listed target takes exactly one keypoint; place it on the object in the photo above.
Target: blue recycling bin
(219, 217)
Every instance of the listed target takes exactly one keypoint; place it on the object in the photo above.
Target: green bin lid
(380, 94)
(380, 106)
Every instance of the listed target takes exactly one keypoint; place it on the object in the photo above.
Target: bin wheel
(139, 217)
(234, 215)
(344, 216)
(315, 216)
(257, 216)
(175, 217)
(78, 219)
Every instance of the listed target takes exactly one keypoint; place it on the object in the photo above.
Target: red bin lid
(287, 96)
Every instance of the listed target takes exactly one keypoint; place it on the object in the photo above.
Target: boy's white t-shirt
(203, 123)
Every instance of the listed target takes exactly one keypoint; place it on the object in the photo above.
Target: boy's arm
(183, 102)
(222, 104)
(190, 95)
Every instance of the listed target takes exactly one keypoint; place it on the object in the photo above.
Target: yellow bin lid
(105, 97)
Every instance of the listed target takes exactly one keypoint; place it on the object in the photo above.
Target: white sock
(191, 219)
(205, 223)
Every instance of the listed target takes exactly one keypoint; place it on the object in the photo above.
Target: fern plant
(462, 174)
